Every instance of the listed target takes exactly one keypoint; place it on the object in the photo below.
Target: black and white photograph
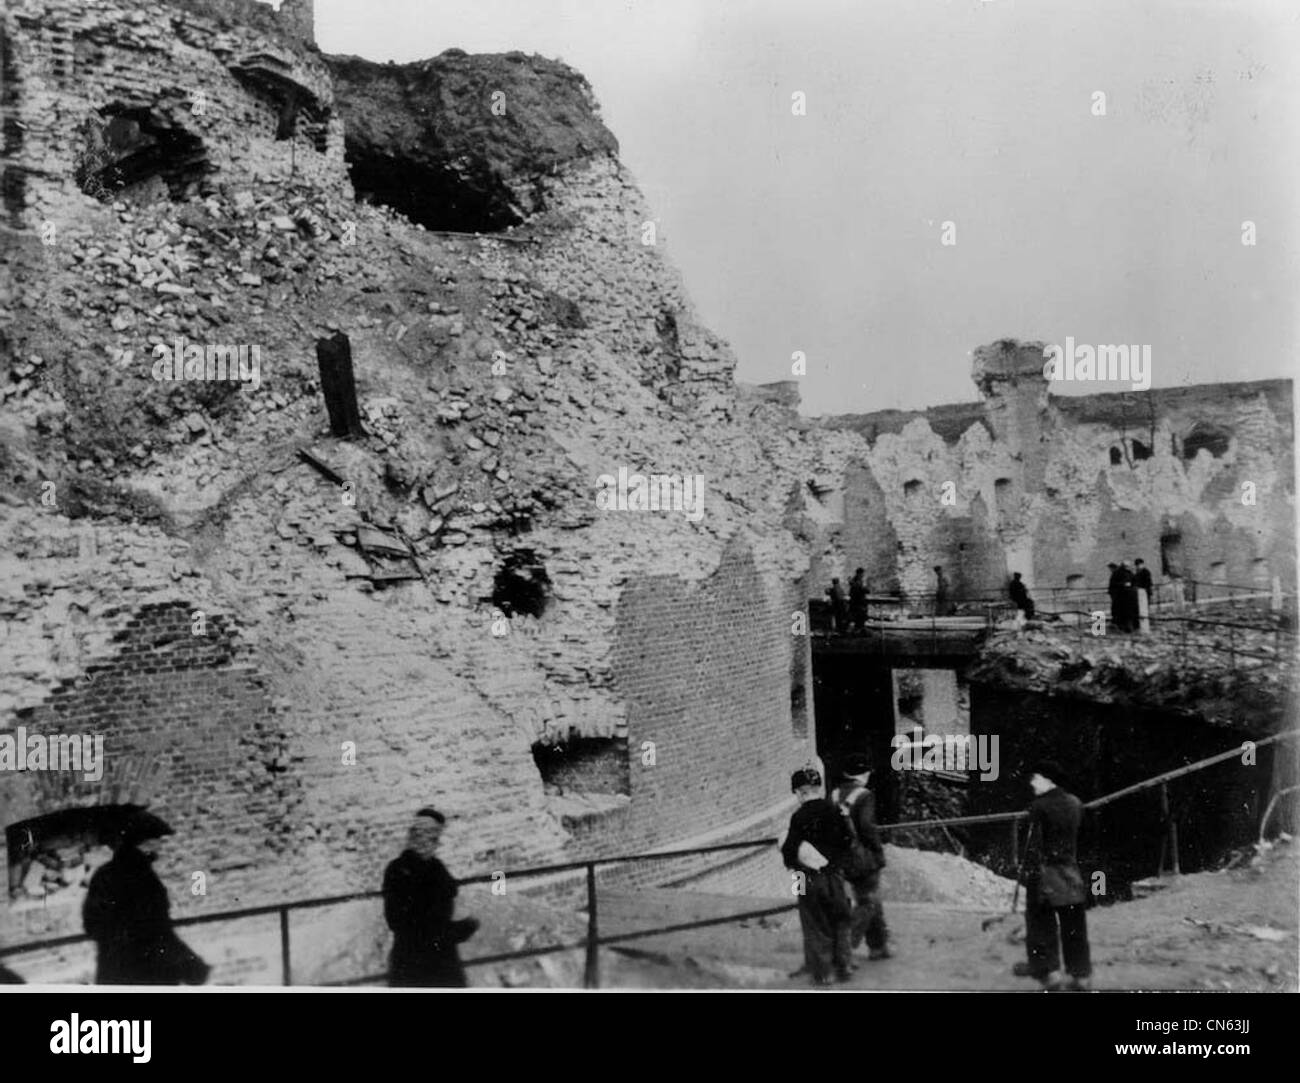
(650, 495)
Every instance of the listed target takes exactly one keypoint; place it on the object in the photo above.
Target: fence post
(1015, 844)
(284, 946)
(1173, 832)
(592, 977)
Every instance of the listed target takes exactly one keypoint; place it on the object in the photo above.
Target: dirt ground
(1232, 930)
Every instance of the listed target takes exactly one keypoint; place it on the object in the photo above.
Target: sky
(822, 233)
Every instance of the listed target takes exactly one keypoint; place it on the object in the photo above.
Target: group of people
(833, 850)
(849, 613)
(832, 847)
(1130, 591)
(126, 913)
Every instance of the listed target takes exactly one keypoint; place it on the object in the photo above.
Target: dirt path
(1234, 930)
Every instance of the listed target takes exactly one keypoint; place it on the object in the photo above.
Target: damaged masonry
(325, 414)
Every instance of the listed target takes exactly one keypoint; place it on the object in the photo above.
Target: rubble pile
(1216, 672)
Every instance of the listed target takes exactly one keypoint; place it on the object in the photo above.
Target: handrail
(592, 942)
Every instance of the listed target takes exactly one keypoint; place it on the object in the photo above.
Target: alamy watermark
(655, 492)
(183, 361)
(946, 752)
(21, 751)
(1100, 363)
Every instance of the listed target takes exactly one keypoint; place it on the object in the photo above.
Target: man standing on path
(816, 849)
(839, 607)
(419, 900)
(1142, 581)
(1054, 889)
(1116, 589)
(858, 601)
(1020, 596)
(858, 806)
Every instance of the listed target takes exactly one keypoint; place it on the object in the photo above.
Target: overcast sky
(822, 233)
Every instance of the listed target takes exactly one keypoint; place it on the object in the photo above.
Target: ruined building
(1197, 481)
(290, 641)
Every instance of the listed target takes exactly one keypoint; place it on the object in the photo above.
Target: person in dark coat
(1130, 595)
(839, 607)
(1055, 897)
(817, 848)
(943, 604)
(126, 913)
(858, 806)
(419, 901)
(858, 601)
(1020, 596)
(1120, 580)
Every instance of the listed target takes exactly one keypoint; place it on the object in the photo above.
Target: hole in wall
(587, 765)
(1212, 438)
(522, 585)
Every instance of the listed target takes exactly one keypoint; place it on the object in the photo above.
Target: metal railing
(593, 941)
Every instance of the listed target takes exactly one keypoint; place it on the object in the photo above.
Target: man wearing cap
(1055, 899)
(857, 804)
(419, 901)
(817, 849)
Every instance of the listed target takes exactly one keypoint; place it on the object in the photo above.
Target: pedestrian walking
(839, 607)
(858, 601)
(1056, 922)
(1020, 596)
(126, 914)
(816, 848)
(857, 804)
(419, 904)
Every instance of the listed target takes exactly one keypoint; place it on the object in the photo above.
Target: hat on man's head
(1049, 769)
(433, 814)
(805, 776)
(856, 766)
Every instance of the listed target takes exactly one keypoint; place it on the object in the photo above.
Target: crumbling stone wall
(1056, 488)
(197, 85)
(498, 379)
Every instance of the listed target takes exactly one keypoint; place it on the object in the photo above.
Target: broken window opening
(911, 489)
(1116, 456)
(52, 857)
(584, 765)
(441, 199)
(522, 585)
(1212, 438)
(1171, 555)
(127, 149)
(1140, 451)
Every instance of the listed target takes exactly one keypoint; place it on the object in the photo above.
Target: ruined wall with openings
(450, 622)
(1196, 481)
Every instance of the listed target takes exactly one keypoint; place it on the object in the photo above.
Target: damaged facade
(291, 641)
(1197, 481)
